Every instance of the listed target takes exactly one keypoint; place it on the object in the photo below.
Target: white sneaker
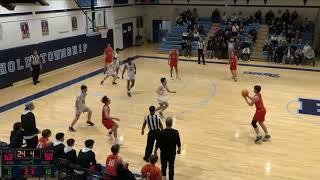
(117, 141)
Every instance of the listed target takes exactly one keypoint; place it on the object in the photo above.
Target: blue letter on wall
(309, 107)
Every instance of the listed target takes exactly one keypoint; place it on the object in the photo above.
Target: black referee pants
(35, 73)
(200, 54)
(152, 136)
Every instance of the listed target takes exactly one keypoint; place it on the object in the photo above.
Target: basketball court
(208, 110)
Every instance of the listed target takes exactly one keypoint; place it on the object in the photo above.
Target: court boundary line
(58, 87)
(240, 64)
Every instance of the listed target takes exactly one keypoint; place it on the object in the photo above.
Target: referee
(154, 124)
(35, 67)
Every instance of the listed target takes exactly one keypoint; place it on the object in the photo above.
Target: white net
(103, 31)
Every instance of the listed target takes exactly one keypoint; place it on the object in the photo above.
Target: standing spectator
(196, 35)
(215, 17)
(151, 171)
(44, 140)
(195, 14)
(210, 51)
(270, 52)
(28, 123)
(69, 153)
(258, 16)
(201, 46)
(269, 17)
(188, 48)
(16, 137)
(58, 146)
(168, 141)
(35, 67)
(154, 124)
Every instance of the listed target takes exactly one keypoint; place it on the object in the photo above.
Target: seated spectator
(253, 33)
(16, 137)
(124, 173)
(185, 35)
(196, 35)
(87, 158)
(245, 54)
(298, 56)
(179, 21)
(308, 53)
(224, 18)
(44, 140)
(113, 162)
(69, 153)
(151, 171)
(274, 39)
(289, 56)
(58, 146)
(201, 30)
(270, 51)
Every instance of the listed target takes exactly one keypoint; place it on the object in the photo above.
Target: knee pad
(254, 124)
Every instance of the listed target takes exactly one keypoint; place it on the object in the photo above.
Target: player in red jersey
(112, 162)
(107, 120)
(233, 65)
(108, 52)
(260, 114)
(173, 61)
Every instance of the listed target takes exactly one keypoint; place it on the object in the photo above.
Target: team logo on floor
(262, 74)
(309, 106)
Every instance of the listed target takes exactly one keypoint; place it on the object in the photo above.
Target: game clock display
(27, 163)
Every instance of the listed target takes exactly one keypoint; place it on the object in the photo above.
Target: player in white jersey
(131, 71)
(162, 99)
(116, 60)
(111, 72)
(81, 107)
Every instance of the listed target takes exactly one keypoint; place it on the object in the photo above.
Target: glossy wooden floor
(209, 112)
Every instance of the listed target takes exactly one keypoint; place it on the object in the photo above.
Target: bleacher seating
(174, 38)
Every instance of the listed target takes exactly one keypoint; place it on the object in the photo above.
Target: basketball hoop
(103, 31)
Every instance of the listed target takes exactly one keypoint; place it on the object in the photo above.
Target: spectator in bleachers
(210, 47)
(69, 153)
(269, 17)
(224, 18)
(185, 35)
(274, 39)
(258, 16)
(28, 123)
(87, 158)
(285, 16)
(308, 53)
(270, 52)
(195, 14)
(16, 136)
(151, 171)
(179, 21)
(289, 56)
(298, 56)
(44, 140)
(58, 145)
(294, 16)
(196, 35)
(253, 33)
(215, 17)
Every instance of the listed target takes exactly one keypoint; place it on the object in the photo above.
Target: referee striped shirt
(153, 121)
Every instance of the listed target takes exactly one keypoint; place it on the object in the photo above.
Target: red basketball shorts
(108, 123)
(260, 115)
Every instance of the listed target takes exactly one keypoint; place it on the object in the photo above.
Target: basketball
(245, 92)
